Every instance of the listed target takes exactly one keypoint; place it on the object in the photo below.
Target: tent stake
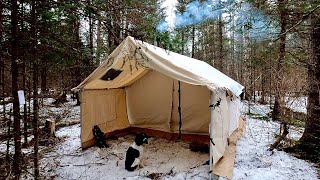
(179, 109)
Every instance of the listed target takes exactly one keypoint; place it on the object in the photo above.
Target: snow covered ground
(255, 162)
(161, 156)
(173, 160)
(297, 104)
(66, 112)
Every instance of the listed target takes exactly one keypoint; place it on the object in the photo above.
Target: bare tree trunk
(2, 79)
(203, 50)
(110, 37)
(182, 39)
(75, 20)
(206, 53)
(35, 89)
(25, 113)
(43, 32)
(253, 77)
(90, 34)
(193, 43)
(246, 65)
(263, 84)
(9, 136)
(29, 94)
(311, 135)
(1, 55)
(1, 24)
(15, 74)
(219, 63)
(2, 83)
(25, 124)
(270, 74)
(276, 113)
(212, 44)
(241, 59)
(278, 104)
(234, 75)
(99, 43)
(43, 75)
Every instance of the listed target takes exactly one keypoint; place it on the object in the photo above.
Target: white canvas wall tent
(141, 87)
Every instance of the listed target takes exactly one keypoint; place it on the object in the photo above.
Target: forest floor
(169, 160)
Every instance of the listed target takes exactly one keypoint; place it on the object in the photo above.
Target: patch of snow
(255, 162)
(3, 146)
(297, 104)
(7, 106)
(66, 111)
(175, 161)
(255, 108)
(160, 156)
(170, 160)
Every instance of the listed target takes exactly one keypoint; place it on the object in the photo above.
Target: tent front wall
(153, 100)
(105, 108)
(149, 102)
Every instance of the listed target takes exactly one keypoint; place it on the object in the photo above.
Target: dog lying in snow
(134, 152)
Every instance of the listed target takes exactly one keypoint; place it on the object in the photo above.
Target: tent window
(111, 75)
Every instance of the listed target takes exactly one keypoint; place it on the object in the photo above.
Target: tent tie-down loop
(214, 106)
(211, 140)
(217, 104)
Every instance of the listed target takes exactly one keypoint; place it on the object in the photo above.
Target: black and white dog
(134, 152)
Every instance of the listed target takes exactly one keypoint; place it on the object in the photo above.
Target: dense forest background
(270, 47)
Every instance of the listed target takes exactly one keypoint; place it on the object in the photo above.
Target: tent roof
(134, 58)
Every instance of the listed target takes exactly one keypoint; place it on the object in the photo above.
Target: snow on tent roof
(180, 67)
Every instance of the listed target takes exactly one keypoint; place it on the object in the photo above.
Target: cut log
(50, 127)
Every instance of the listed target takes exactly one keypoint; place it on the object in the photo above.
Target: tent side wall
(220, 123)
(105, 108)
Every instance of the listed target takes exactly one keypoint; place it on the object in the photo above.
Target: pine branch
(298, 23)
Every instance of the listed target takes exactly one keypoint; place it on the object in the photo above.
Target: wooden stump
(50, 127)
